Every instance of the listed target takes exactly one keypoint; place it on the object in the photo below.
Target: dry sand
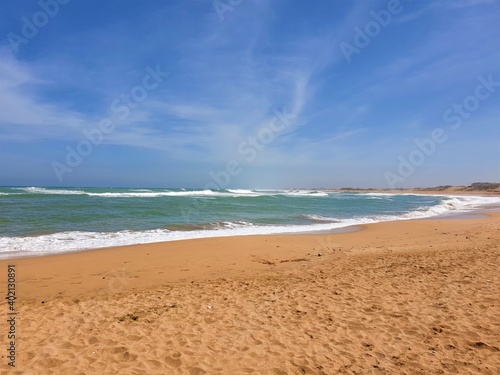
(414, 297)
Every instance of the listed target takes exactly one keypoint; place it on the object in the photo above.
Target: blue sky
(357, 84)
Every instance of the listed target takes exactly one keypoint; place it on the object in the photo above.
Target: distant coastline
(477, 188)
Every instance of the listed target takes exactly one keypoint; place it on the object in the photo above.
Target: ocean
(40, 220)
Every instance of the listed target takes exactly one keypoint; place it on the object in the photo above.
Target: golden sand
(408, 297)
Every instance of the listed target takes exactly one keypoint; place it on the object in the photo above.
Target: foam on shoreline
(68, 241)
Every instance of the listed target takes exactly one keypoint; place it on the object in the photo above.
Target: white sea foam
(208, 193)
(39, 190)
(305, 193)
(245, 193)
(321, 218)
(379, 196)
(290, 193)
(242, 191)
(153, 194)
(133, 193)
(71, 241)
(453, 204)
(147, 193)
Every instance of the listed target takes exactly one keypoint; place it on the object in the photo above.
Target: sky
(249, 93)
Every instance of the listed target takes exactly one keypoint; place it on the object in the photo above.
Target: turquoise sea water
(37, 220)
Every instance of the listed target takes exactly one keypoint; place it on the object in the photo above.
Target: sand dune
(419, 297)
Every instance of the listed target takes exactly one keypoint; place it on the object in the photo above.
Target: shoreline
(474, 214)
(191, 247)
(347, 228)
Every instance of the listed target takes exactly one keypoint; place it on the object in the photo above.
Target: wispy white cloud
(229, 104)
(441, 6)
(407, 17)
(470, 3)
(21, 106)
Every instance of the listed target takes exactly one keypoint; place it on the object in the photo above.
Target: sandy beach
(407, 297)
